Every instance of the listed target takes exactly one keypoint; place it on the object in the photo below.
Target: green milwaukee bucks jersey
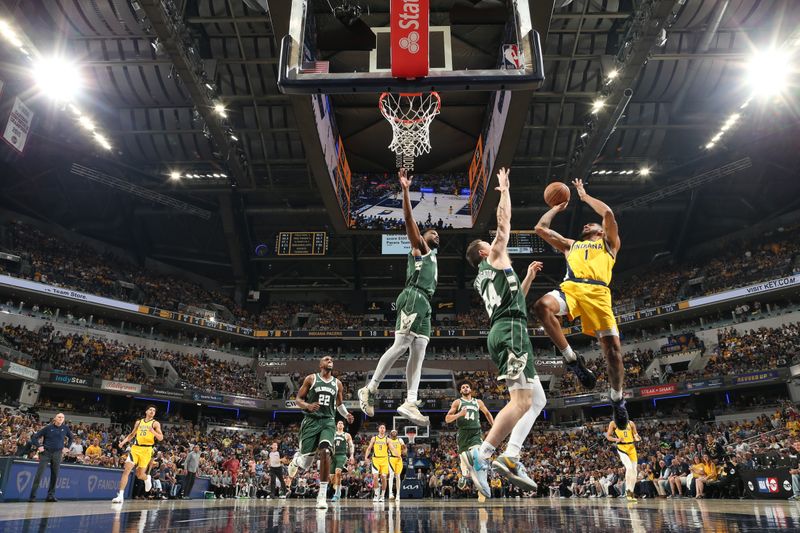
(340, 444)
(501, 292)
(472, 421)
(422, 272)
(324, 392)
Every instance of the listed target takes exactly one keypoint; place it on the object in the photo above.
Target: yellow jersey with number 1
(591, 260)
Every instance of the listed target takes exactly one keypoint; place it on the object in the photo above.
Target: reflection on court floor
(200, 516)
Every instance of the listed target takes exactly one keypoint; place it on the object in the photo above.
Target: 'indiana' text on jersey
(500, 291)
(324, 393)
(422, 272)
(590, 260)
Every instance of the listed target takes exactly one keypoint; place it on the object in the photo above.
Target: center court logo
(23, 478)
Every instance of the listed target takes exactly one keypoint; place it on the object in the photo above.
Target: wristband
(342, 410)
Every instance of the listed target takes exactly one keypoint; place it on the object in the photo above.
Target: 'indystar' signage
(52, 290)
(70, 380)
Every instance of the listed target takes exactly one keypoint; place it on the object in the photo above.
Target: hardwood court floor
(458, 516)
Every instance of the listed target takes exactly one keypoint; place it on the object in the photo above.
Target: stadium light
(597, 105)
(644, 171)
(8, 33)
(57, 78)
(86, 122)
(174, 175)
(219, 109)
(768, 72)
(102, 141)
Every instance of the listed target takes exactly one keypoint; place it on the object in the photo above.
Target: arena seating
(576, 462)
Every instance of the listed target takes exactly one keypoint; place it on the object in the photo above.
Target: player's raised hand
(534, 268)
(405, 179)
(502, 179)
(578, 183)
(560, 207)
(350, 418)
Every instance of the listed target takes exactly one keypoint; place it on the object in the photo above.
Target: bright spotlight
(174, 175)
(768, 72)
(57, 78)
(219, 109)
(102, 141)
(710, 145)
(597, 105)
(644, 171)
(86, 122)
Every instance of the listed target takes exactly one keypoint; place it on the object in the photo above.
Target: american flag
(315, 67)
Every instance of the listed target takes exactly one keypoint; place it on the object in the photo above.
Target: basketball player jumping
(510, 348)
(379, 448)
(584, 293)
(320, 398)
(625, 438)
(343, 450)
(413, 328)
(145, 432)
(466, 413)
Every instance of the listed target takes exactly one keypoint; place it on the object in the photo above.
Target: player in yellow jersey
(397, 449)
(585, 293)
(626, 438)
(145, 433)
(379, 447)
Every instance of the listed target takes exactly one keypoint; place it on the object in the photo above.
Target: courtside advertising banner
(120, 386)
(22, 371)
(409, 35)
(18, 126)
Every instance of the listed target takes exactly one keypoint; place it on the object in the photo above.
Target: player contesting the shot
(413, 328)
(510, 348)
(585, 293)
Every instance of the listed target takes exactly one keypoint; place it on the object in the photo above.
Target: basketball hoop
(411, 434)
(410, 115)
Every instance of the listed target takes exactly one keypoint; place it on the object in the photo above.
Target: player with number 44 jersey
(510, 348)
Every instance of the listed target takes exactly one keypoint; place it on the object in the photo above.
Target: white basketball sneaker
(148, 483)
(410, 411)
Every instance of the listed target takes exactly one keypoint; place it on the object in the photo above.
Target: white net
(410, 115)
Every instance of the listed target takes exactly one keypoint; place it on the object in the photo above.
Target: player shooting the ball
(585, 293)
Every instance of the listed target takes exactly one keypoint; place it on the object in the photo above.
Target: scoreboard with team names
(300, 243)
(524, 242)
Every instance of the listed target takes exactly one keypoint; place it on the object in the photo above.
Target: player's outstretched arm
(157, 431)
(533, 269)
(610, 227)
(340, 407)
(486, 412)
(500, 241)
(369, 448)
(553, 238)
(418, 244)
(131, 435)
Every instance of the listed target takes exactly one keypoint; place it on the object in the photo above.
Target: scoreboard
(524, 242)
(298, 243)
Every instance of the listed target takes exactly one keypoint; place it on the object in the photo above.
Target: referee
(50, 451)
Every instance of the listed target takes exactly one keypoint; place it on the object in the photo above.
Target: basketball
(556, 193)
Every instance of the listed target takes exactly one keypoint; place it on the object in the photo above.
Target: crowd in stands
(677, 457)
(73, 264)
(105, 358)
(760, 349)
(740, 263)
